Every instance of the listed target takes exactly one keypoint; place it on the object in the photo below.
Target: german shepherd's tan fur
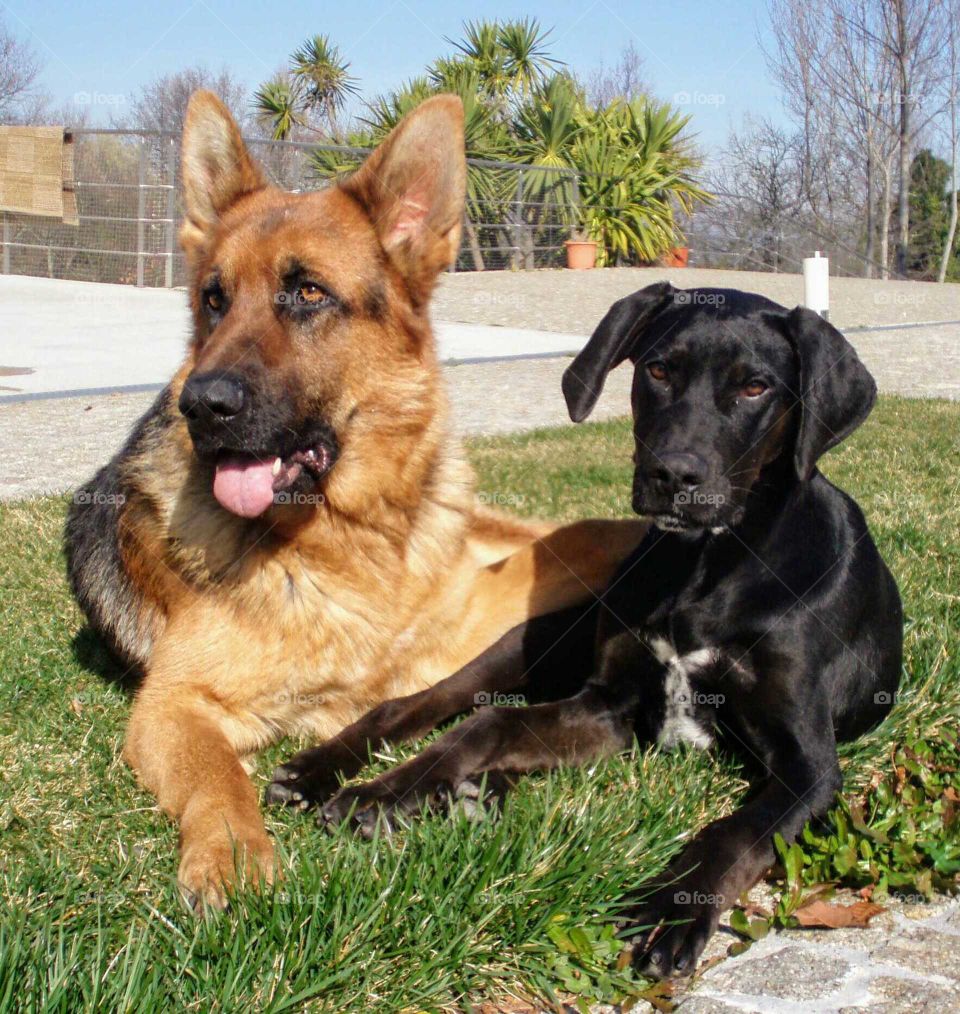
(389, 577)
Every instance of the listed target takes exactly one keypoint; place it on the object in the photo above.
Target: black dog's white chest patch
(680, 722)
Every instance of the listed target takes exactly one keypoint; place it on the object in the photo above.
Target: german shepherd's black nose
(211, 395)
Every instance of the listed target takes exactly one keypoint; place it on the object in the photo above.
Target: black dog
(757, 611)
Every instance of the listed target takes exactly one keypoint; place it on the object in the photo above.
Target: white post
(816, 284)
(141, 207)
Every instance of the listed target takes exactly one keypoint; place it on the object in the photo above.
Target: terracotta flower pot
(677, 257)
(581, 254)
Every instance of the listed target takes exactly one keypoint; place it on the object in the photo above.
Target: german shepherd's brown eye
(311, 294)
(657, 370)
(753, 389)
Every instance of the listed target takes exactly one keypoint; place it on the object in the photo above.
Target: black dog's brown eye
(657, 370)
(753, 389)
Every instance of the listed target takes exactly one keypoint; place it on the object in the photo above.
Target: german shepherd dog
(290, 535)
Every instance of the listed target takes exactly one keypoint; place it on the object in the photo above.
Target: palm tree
(325, 77)
(635, 170)
(548, 124)
(622, 173)
(480, 48)
(488, 189)
(277, 104)
(385, 111)
(526, 62)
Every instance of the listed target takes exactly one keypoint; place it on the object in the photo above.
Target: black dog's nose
(212, 394)
(680, 470)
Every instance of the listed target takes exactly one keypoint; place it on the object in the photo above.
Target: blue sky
(704, 54)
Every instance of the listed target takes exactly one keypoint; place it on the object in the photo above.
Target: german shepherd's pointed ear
(836, 389)
(216, 166)
(614, 340)
(413, 187)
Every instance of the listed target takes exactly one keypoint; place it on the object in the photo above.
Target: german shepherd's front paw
(209, 866)
(676, 922)
(307, 779)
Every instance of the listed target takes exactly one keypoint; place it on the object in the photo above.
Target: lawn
(89, 913)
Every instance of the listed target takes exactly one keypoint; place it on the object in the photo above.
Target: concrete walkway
(59, 336)
(79, 336)
(49, 445)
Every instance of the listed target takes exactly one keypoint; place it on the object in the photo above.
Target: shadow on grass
(93, 654)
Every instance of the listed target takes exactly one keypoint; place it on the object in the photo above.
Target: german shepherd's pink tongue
(244, 485)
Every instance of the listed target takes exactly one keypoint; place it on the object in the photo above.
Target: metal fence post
(518, 219)
(141, 206)
(171, 211)
(6, 243)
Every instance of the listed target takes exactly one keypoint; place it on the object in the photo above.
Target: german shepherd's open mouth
(248, 484)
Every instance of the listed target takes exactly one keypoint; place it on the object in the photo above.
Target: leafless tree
(20, 99)
(913, 36)
(626, 79)
(870, 70)
(162, 104)
(759, 187)
(952, 87)
(831, 85)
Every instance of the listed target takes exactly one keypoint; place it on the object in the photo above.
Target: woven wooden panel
(36, 172)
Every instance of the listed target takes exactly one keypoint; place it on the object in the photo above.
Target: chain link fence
(737, 233)
(518, 216)
(129, 204)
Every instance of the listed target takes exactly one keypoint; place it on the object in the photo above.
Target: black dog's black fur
(757, 611)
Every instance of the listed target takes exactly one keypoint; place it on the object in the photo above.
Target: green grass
(89, 913)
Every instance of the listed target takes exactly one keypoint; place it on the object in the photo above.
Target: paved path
(574, 301)
(67, 336)
(50, 445)
(904, 963)
(79, 335)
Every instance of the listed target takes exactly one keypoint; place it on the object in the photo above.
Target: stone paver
(904, 963)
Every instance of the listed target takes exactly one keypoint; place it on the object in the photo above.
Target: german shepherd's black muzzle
(262, 453)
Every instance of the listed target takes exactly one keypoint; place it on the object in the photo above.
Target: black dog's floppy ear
(836, 390)
(609, 345)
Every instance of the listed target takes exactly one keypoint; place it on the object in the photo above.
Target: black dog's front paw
(306, 780)
(391, 801)
(365, 806)
(676, 922)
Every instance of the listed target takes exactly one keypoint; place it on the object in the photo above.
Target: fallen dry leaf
(751, 909)
(828, 915)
